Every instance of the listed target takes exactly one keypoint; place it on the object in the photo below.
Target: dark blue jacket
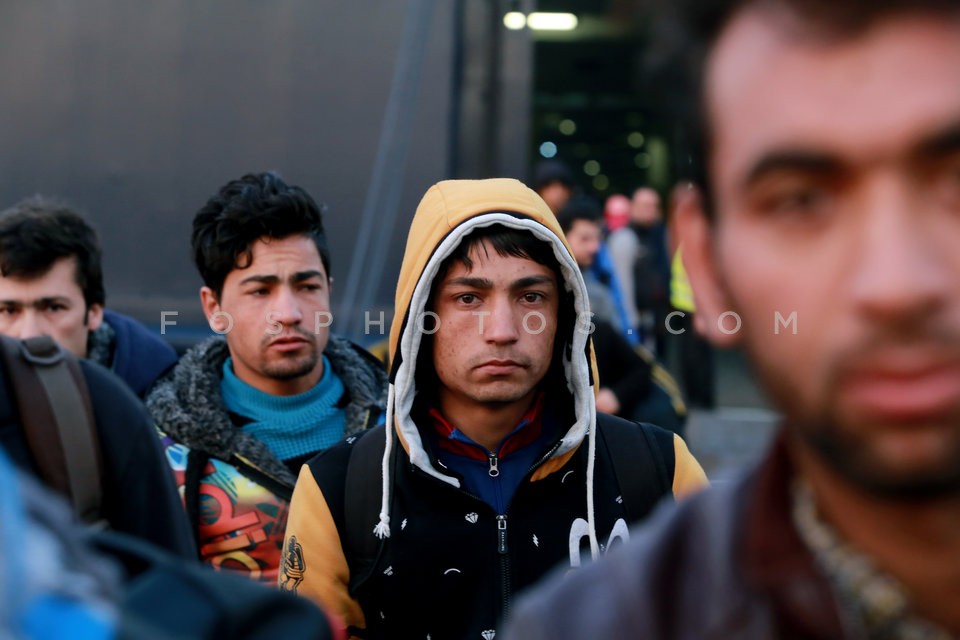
(137, 355)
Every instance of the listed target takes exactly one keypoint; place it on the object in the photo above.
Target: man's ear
(94, 317)
(699, 260)
(211, 308)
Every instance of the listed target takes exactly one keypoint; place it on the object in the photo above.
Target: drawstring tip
(382, 530)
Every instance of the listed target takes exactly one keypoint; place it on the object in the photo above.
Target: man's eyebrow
(532, 281)
(471, 282)
(52, 299)
(943, 142)
(300, 276)
(260, 279)
(48, 300)
(799, 160)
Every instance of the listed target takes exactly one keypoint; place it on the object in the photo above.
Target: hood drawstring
(591, 460)
(382, 530)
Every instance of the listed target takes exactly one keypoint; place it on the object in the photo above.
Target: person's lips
(288, 343)
(904, 389)
(500, 367)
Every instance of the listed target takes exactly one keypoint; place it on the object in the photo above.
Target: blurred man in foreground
(832, 137)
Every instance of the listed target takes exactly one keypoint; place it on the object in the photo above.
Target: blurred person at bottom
(59, 580)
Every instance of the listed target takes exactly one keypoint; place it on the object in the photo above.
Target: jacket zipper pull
(493, 471)
(502, 534)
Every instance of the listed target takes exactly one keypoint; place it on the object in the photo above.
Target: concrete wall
(136, 112)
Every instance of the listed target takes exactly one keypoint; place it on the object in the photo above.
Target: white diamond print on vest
(619, 499)
(351, 439)
(388, 571)
(472, 518)
(489, 634)
(403, 525)
(536, 541)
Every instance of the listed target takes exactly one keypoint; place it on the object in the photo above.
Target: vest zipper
(545, 457)
(505, 587)
(494, 469)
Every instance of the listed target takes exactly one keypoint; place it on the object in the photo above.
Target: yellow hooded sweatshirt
(448, 212)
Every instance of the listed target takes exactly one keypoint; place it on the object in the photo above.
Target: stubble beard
(496, 398)
(292, 366)
(844, 446)
(841, 448)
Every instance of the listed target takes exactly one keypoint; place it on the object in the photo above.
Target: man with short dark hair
(828, 250)
(627, 388)
(51, 283)
(495, 464)
(581, 221)
(642, 265)
(553, 181)
(242, 411)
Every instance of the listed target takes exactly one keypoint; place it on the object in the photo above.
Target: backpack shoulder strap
(192, 479)
(57, 416)
(361, 504)
(642, 457)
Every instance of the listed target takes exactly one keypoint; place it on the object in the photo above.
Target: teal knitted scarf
(290, 426)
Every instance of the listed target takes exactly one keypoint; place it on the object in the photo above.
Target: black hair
(580, 208)
(692, 28)
(38, 231)
(551, 170)
(256, 206)
(506, 242)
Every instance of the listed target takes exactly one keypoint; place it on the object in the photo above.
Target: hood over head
(448, 212)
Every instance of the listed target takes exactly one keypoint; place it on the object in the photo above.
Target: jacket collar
(777, 562)
(188, 406)
(454, 440)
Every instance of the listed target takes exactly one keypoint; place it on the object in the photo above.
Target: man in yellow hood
(497, 465)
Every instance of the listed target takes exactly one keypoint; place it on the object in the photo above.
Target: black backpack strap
(57, 416)
(193, 474)
(361, 504)
(643, 461)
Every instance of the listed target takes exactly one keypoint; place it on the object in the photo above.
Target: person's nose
(286, 308)
(29, 325)
(502, 325)
(901, 270)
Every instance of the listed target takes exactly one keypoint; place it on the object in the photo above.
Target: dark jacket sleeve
(620, 368)
(139, 495)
